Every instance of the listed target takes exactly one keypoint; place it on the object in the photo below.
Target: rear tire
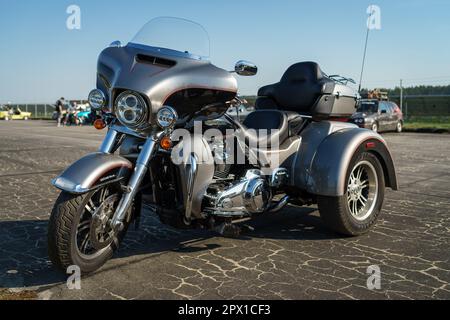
(340, 213)
(63, 229)
(399, 127)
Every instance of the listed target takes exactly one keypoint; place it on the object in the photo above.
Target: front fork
(147, 152)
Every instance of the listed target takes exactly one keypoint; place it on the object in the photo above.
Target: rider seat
(270, 127)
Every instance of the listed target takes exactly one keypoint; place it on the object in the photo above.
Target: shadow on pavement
(23, 244)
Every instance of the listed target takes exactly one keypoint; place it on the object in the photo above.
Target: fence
(38, 110)
(425, 106)
(433, 107)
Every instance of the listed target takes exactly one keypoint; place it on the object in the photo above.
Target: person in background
(59, 108)
(70, 114)
(75, 113)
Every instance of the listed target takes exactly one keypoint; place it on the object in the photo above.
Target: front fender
(92, 171)
(327, 173)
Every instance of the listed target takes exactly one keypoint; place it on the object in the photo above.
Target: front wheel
(356, 211)
(79, 232)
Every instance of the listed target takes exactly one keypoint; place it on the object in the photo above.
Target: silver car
(378, 116)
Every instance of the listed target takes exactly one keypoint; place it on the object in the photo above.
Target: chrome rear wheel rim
(362, 190)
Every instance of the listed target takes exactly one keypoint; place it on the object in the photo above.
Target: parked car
(378, 116)
(13, 114)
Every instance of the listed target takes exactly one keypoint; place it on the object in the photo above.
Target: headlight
(131, 109)
(166, 117)
(96, 99)
(358, 120)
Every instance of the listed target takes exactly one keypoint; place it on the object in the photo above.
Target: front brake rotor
(100, 232)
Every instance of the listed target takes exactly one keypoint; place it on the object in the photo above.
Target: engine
(229, 196)
(249, 195)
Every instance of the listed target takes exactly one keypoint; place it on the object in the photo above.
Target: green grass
(426, 125)
(433, 122)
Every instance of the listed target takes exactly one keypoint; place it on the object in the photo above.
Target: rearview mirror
(245, 68)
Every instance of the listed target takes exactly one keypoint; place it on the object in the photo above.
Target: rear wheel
(399, 127)
(79, 232)
(356, 211)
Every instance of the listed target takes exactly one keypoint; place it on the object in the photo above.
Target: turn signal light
(166, 143)
(99, 124)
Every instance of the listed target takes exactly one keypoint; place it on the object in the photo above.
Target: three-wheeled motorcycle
(171, 148)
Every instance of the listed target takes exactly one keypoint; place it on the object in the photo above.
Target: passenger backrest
(298, 89)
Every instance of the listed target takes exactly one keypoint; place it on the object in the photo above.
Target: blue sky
(41, 60)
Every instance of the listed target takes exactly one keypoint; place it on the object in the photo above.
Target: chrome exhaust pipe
(279, 205)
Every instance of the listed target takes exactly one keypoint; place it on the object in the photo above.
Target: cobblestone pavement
(290, 255)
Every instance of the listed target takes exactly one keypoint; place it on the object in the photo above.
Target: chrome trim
(279, 205)
(280, 177)
(245, 68)
(103, 97)
(192, 175)
(65, 184)
(249, 196)
(109, 142)
(147, 152)
(169, 121)
(144, 119)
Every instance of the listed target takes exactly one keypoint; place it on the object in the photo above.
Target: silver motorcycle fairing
(325, 153)
(93, 171)
(195, 176)
(119, 68)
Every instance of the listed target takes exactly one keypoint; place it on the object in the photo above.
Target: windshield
(368, 106)
(174, 36)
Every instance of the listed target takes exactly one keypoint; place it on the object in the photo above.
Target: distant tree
(418, 90)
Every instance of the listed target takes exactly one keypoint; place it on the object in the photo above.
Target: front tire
(355, 212)
(69, 233)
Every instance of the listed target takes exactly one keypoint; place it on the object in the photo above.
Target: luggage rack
(342, 80)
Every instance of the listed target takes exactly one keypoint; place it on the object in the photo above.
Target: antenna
(374, 12)
(364, 59)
